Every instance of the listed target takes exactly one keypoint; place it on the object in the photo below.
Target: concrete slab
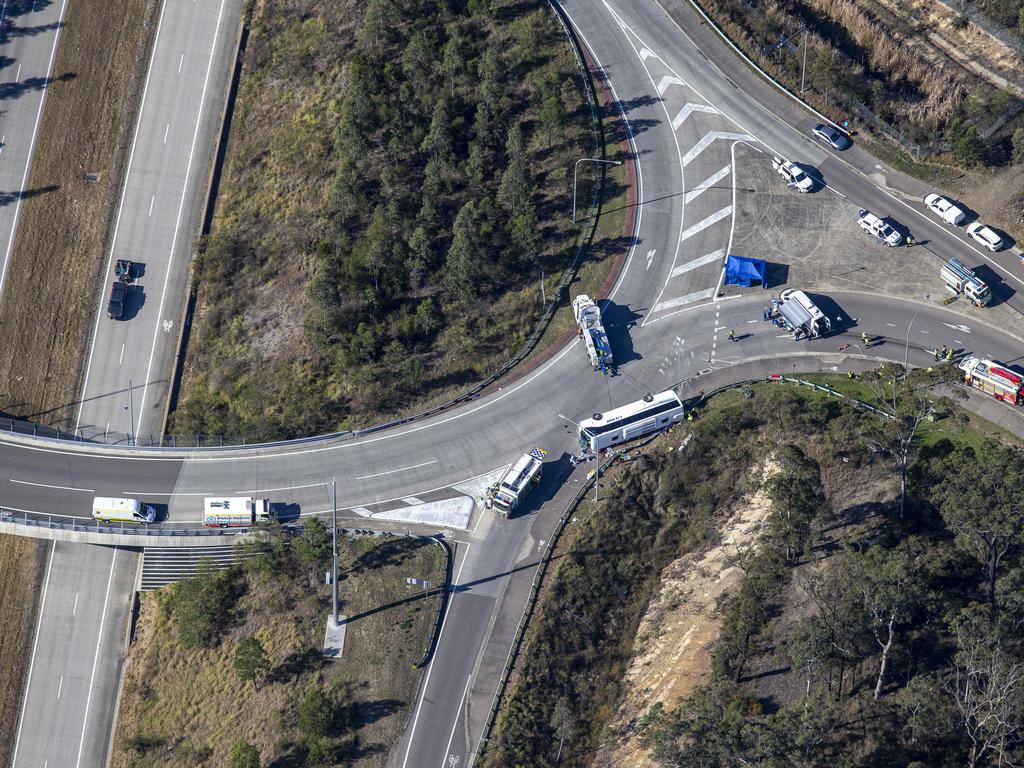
(477, 487)
(448, 513)
(334, 637)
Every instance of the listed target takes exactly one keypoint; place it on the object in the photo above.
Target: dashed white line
(167, 129)
(121, 356)
(151, 201)
(180, 62)
(56, 487)
(402, 469)
(17, 77)
(60, 685)
(74, 609)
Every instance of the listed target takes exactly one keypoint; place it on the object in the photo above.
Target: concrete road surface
(28, 41)
(158, 216)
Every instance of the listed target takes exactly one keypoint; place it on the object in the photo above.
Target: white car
(985, 235)
(793, 175)
(945, 209)
(885, 233)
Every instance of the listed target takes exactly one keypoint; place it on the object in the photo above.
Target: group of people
(945, 354)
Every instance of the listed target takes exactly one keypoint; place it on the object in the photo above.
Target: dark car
(115, 309)
(834, 138)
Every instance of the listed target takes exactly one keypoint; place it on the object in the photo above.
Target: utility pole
(131, 415)
(334, 551)
(543, 294)
(803, 71)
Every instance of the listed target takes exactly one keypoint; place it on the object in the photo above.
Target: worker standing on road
(949, 355)
(864, 338)
(910, 240)
(732, 335)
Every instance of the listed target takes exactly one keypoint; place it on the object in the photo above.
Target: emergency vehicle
(1002, 383)
(960, 279)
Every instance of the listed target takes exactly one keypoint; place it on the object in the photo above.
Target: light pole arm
(575, 172)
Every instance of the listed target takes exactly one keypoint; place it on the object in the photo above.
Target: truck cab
(517, 481)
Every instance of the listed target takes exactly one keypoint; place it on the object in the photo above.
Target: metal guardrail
(442, 604)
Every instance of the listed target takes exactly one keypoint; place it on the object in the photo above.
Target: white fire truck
(1002, 383)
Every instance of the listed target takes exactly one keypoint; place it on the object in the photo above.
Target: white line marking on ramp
(700, 226)
(57, 487)
(650, 256)
(683, 300)
(961, 328)
(689, 109)
(699, 262)
(666, 81)
(646, 53)
(705, 142)
(708, 183)
(402, 469)
(412, 501)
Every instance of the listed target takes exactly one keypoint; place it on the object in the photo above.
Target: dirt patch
(186, 707)
(673, 648)
(22, 566)
(60, 248)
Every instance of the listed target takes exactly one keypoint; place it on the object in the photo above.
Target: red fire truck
(1000, 382)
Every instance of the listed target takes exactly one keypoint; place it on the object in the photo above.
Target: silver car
(831, 136)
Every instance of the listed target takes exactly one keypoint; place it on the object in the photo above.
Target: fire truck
(1002, 383)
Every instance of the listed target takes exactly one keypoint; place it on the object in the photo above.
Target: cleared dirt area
(22, 566)
(672, 655)
(60, 249)
(186, 707)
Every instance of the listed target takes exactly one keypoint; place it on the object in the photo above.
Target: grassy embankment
(186, 704)
(395, 186)
(796, 668)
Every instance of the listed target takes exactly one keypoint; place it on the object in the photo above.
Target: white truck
(109, 509)
(591, 330)
(882, 231)
(505, 495)
(802, 316)
(235, 511)
(960, 279)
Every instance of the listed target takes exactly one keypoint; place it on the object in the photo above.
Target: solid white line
(699, 262)
(393, 471)
(120, 208)
(96, 658)
(57, 487)
(703, 224)
(60, 685)
(31, 145)
(709, 182)
(683, 300)
(444, 760)
(440, 636)
(32, 662)
(181, 209)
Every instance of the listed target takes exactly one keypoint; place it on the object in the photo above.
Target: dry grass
(192, 703)
(22, 566)
(60, 249)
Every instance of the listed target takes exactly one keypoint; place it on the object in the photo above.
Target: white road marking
(699, 262)
(167, 128)
(121, 356)
(17, 77)
(3, 142)
(412, 501)
(709, 182)
(74, 609)
(961, 328)
(151, 201)
(957, 341)
(180, 62)
(683, 300)
(447, 761)
(263, 490)
(96, 658)
(440, 635)
(700, 226)
(31, 149)
(891, 325)
(705, 142)
(650, 256)
(57, 487)
(60, 685)
(646, 53)
(666, 82)
(924, 331)
(689, 109)
(402, 469)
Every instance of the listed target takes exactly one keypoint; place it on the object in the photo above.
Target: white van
(109, 509)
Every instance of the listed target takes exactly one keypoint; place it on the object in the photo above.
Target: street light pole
(803, 71)
(131, 414)
(334, 551)
(575, 171)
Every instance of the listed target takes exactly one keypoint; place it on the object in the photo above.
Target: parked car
(945, 209)
(831, 136)
(793, 175)
(882, 231)
(985, 235)
(118, 292)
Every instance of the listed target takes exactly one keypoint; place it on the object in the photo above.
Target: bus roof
(659, 403)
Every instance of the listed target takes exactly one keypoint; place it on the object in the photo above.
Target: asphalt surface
(128, 370)
(665, 320)
(28, 42)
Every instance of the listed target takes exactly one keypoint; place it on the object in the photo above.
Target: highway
(28, 44)
(688, 104)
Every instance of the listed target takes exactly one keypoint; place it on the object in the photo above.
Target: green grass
(931, 173)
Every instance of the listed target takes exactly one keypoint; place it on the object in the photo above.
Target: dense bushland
(395, 177)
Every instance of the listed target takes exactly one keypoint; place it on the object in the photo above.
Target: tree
(243, 755)
(797, 497)
(981, 497)
(964, 141)
(807, 646)
(251, 660)
(465, 256)
(199, 606)
(316, 714)
(552, 113)
(314, 546)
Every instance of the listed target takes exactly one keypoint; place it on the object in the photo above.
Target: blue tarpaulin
(740, 270)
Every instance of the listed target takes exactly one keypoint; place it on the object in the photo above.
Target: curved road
(666, 323)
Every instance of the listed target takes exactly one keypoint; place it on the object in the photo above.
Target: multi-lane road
(688, 103)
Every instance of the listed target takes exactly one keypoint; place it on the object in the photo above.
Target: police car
(793, 175)
(874, 226)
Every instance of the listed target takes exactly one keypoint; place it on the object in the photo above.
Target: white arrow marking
(687, 110)
(650, 257)
(709, 182)
(961, 328)
(646, 53)
(710, 137)
(699, 262)
(702, 225)
(666, 81)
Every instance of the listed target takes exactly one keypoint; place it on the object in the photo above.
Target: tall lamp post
(597, 457)
(575, 171)
(906, 351)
